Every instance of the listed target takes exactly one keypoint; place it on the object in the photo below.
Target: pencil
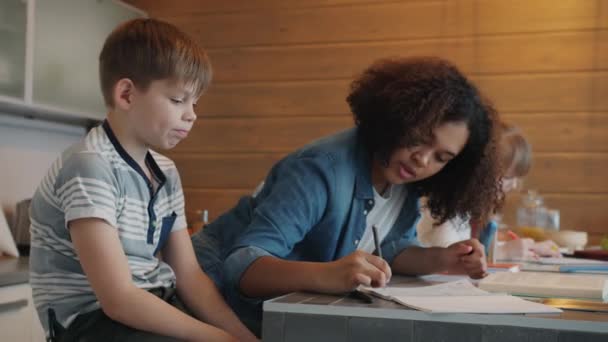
(377, 241)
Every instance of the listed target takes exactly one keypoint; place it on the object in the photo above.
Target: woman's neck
(379, 181)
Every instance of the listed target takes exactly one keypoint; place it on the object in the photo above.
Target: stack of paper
(566, 265)
(457, 296)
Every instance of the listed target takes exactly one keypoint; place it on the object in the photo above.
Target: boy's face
(162, 115)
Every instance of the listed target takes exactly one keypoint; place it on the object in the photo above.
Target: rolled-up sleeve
(294, 202)
(409, 238)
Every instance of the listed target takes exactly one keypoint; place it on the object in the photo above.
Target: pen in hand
(376, 241)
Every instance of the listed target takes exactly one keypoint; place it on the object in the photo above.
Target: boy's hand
(466, 257)
(357, 268)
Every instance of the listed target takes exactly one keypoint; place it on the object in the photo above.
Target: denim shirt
(312, 207)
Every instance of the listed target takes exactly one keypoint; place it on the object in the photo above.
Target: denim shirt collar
(363, 163)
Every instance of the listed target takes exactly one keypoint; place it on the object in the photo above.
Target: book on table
(548, 284)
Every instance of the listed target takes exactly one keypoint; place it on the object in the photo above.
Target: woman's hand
(357, 268)
(466, 257)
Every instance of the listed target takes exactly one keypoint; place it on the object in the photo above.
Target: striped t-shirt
(97, 178)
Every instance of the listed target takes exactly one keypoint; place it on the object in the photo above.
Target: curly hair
(398, 103)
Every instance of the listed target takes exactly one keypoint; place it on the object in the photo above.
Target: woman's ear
(123, 94)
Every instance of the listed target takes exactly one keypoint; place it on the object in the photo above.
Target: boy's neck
(127, 139)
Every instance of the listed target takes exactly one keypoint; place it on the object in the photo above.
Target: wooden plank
(224, 171)
(549, 52)
(320, 62)
(215, 201)
(577, 211)
(495, 16)
(560, 132)
(601, 44)
(576, 91)
(569, 173)
(259, 134)
(182, 7)
(570, 51)
(563, 132)
(603, 14)
(364, 22)
(550, 173)
(272, 99)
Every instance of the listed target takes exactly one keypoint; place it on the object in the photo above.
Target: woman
(421, 129)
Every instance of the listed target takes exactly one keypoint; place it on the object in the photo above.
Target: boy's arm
(105, 265)
(464, 257)
(197, 290)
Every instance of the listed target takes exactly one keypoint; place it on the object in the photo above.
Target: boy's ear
(123, 93)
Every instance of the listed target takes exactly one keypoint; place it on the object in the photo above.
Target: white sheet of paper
(7, 243)
(458, 296)
(493, 304)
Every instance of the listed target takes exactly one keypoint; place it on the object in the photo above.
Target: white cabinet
(50, 51)
(12, 50)
(18, 318)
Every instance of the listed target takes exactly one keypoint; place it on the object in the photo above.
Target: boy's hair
(145, 50)
(514, 150)
(399, 102)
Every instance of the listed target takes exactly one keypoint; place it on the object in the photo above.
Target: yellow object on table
(534, 233)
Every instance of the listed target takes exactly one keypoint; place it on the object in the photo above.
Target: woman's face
(410, 164)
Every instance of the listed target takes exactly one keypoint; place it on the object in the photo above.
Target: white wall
(27, 149)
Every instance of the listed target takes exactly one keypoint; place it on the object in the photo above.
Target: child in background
(516, 157)
(109, 205)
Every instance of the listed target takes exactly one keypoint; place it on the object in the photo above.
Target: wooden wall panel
(551, 172)
(366, 22)
(282, 71)
(535, 53)
(317, 98)
(224, 171)
(560, 132)
(537, 15)
(205, 7)
(563, 132)
(259, 134)
(601, 44)
(550, 92)
(330, 61)
(569, 172)
(559, 92)
(215, 201)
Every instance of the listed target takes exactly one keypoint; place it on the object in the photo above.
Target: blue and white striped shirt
(96, 178)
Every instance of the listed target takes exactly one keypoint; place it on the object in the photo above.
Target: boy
(109, 204)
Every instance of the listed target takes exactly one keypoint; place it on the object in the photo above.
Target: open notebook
(457, 296)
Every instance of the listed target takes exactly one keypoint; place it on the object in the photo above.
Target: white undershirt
(383, 215)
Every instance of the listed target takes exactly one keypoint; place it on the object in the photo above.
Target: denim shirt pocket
(166, 226)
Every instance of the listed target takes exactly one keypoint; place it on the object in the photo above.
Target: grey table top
(340, 305)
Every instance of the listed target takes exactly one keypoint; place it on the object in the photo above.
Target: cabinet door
(69, 35)
(12, 48)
